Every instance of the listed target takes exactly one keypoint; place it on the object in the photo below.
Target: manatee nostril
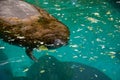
(59, 42)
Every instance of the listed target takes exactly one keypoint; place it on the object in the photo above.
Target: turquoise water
(94, 40)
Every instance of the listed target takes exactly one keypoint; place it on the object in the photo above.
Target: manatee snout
(55, 41)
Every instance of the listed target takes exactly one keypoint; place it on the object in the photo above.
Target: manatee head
(55, 35)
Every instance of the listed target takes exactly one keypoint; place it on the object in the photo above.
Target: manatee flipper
(29, 53)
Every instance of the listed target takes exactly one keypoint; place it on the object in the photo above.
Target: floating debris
(25, 70)
(74, 46)
(102, 46)
(112, 54)
(98, 40)
(75, 56)
(42, 47)
(96, 75)
(42, 71)
(82, 69)
(60, 55)
(108, 12)
(91, 59)
(90, 28)
(45, 3)
(97, 14)
(110, 19)
(1, 47)
(92, 20)
(52, 51)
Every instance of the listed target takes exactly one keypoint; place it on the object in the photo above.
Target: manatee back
(17, 9)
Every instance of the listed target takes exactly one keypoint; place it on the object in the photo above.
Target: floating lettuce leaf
(42, 47)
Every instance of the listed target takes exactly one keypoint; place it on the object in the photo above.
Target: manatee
(50, 68)
(28, 26)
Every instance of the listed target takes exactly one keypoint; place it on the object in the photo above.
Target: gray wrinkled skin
(16, 8)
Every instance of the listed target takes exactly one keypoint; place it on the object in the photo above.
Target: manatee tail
(29, 53)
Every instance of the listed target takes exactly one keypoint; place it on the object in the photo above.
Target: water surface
(94, 41)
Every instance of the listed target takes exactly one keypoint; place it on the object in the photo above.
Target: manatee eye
(58, 42)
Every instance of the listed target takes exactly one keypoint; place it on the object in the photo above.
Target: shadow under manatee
(117, 55)
(115, 4)
(5, 69)
(49, 68)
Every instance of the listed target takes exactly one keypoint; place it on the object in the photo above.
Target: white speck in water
(75, 56)
(77, 37)
(86, 31)
(102, 46)
(75, 21)
(58, 14)
(92, 20)
(82, 69)
(104, 70)
(73, 2)
(53, 63)
(90, 28)
(118, 44)
(101, 53)
(49, 57)
(110, 48)
(96, 75)
(60, 55)
(25, 70)
(76, 50)
(91, 58)
(74, 46)
(73, 31)
(92, 42)
(66, 18)
(77, 14)
(110, 19)
(84, 57)
(22, 56)
(42, 71)
(1, 47)
(58, 9)
(19, 60)
(112, 54)
(56, 5)
(82, 24)
(108, 12)
(79, 29)
(98, 40)
(45, 3)
(3, 63)
(97, 14)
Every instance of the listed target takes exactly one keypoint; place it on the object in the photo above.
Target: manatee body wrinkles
(25, 25)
